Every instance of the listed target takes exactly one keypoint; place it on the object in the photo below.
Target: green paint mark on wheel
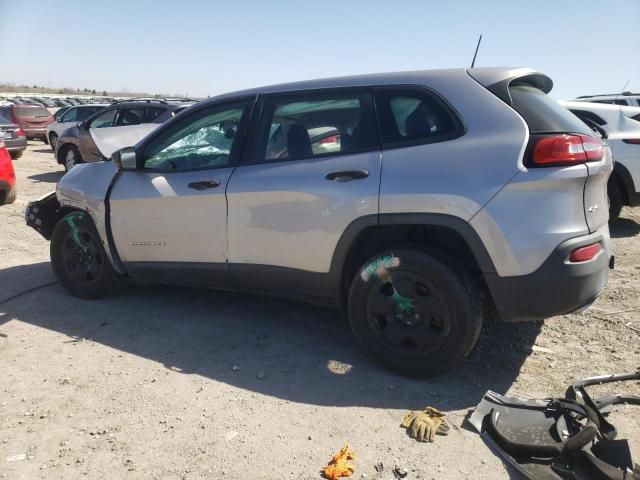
(379, 267)
(75, 231)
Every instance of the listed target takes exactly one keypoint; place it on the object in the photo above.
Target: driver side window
(106, 119)
(205, 139)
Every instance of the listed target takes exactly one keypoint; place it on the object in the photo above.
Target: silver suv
(417, 202)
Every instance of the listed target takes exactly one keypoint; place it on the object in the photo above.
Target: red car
(33, 119)
(7, 177)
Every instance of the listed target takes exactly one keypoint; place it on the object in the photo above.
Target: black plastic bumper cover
(43, 214)
(556, 288)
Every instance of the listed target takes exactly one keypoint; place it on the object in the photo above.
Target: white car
(71, 118)
(624, 99)
(623, 136)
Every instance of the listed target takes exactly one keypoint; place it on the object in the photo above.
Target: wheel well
(617, 178)
(375, 239)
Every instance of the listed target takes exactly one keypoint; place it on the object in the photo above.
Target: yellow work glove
(424, 425)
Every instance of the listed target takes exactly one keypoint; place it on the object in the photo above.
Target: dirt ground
(176, 383)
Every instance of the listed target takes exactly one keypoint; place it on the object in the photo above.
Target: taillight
(331, 139)
(557, 150)
(20, 132)
(586, 253)
(632, 141)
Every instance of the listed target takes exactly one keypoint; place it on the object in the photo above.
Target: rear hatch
(8, 129)
(32, 116)
(558, 139)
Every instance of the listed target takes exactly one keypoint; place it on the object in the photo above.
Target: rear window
(542, 113)
(31, 111)
(5, 115)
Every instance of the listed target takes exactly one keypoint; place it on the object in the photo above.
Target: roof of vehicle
(629, 111)
(611, 95)
(486, 76)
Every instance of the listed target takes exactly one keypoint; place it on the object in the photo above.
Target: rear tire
(616, 199)
(78, 258)
(414, 311)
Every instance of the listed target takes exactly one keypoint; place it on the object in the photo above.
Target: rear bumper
(15, 144)
(35, 132)
(557, 287)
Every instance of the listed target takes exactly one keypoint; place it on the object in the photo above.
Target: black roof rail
(147, 100)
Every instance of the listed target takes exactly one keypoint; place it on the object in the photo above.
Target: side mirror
(81, 125)
(125, 158)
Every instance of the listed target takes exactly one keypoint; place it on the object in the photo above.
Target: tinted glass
(132, 116)
(106, 119)
(205, 139)
(542, 113)
(84, 113)
(5, 115)
(71, 115)
(31, 111)
(311, 125)
(411, 116)
(153, 113)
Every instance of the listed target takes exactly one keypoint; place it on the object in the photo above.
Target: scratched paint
(379, 267)
(75, 231)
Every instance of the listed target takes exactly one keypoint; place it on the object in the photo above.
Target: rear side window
(31, 111)
(414, 116)
(586, 116)
(542, 113)
(84, 113)
(71, 115)
(309, 125)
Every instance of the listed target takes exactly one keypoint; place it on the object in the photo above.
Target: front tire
(70, 157)
(414, 312)
(16, 155)
(78, 258)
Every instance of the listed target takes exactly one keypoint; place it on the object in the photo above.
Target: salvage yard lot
(178, 383)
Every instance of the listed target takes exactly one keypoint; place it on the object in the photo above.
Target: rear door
(169, 217)
(312, 169)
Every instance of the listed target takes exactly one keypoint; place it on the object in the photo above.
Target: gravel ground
(175, 383)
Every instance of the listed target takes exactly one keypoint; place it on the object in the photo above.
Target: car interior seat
(298, 142)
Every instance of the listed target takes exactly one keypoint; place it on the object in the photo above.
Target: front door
(169, 216)
(314, 167)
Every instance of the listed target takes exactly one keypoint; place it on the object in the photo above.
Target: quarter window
(205, 139)
(410, 116)
(314, 125)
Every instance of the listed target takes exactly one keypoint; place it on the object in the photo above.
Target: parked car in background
(14, 138)
(70, 118)
(427, 199)
(628, 99)
(622, 132)
(7, 177)
(33, 119)
(61, 103)
(119, 125)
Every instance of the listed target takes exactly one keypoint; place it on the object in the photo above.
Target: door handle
(204, 184)
(347, 175)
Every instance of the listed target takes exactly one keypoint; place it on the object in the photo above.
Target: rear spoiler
(497, 80)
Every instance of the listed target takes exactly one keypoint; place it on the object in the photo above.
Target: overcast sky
(204, 48)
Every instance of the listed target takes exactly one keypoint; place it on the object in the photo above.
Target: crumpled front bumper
(43, 214)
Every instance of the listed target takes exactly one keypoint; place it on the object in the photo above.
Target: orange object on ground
(338, 466)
